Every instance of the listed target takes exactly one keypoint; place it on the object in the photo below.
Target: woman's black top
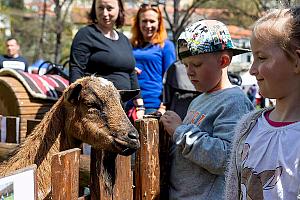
(93, 53)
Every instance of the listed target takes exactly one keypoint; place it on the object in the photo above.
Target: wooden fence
(141, 177)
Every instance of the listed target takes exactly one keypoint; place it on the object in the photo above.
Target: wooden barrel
(16, 101)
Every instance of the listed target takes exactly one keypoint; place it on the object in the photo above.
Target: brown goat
(89, 111)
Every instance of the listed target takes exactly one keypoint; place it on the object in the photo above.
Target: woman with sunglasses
(101, 50)
(154, 53)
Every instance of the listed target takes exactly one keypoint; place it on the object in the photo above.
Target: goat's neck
(46, 139)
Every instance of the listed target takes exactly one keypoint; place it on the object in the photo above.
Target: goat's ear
(72, 95)
(127, 95)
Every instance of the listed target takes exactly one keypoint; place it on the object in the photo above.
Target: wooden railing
(145, 179)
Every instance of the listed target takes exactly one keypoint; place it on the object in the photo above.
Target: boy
(201, 143)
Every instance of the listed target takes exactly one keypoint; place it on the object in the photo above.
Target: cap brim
(238, 51)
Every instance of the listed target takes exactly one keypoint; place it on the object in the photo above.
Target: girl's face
(274, 72)
(148, 24)
(203, 70)
(107, 12)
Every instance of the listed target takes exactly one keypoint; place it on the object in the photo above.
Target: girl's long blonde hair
(280, 27)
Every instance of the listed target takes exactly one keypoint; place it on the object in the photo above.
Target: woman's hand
(162, 108)
(171, 121)
(140, 108)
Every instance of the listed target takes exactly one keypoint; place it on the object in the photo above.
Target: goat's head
(95, 116)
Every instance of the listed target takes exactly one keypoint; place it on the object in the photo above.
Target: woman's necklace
(113, 35)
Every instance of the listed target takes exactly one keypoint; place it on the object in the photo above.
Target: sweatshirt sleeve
(79, 55)
(242, 130)
(210, 150)
(200, 148)
(231, 180)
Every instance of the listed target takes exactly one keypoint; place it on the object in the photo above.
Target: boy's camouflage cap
(207, 36)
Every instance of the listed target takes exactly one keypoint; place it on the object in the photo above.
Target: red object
(132, 114)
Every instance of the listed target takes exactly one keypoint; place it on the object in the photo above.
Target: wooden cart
(28, 96)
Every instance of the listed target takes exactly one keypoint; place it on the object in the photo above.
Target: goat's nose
(133, 135)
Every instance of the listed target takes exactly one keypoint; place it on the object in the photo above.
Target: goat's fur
(89, 111)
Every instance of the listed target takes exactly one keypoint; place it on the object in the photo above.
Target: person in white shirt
(265, 162)
(13, 59)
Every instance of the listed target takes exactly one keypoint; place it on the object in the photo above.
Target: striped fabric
(43, 87)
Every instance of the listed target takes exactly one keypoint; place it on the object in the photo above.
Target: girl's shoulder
(247, 122)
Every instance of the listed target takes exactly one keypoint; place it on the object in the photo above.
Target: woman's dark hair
(121, 16)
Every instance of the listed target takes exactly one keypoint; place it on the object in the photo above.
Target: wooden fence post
(121, 188)
(147, 170)
(65, 175)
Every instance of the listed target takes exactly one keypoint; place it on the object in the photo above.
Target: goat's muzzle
(128, 144)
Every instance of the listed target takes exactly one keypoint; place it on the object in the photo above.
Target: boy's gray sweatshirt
(202, 144)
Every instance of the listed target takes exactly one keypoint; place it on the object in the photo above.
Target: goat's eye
(96, 106)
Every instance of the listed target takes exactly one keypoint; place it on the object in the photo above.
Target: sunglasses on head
(149, 5)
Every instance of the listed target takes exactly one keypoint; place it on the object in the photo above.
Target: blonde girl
(265, 160)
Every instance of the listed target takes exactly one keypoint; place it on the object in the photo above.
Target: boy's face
(203, 70)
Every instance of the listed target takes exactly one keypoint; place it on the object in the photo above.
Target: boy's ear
(225, 60)
(297, 67)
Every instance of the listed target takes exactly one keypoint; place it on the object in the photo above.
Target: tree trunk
(60, 21)
(59, 29)
(40, 47)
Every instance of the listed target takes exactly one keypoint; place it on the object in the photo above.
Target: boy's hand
(171, 121)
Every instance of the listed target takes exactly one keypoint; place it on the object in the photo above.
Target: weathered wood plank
(147, 170)
(65, 175)
(122, 179)
(123, 189)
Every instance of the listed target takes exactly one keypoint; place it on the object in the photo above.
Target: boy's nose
(189, 70)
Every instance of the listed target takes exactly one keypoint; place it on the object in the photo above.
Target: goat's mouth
(126, 148)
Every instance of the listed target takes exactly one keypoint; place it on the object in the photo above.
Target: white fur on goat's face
(95, 116)
(104, 82)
